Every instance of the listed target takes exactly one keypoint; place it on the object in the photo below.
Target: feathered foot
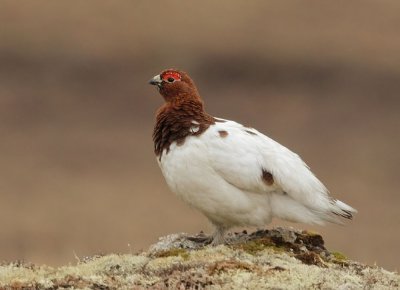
(217, 238)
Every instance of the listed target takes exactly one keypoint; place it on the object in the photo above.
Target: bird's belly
(190, 176)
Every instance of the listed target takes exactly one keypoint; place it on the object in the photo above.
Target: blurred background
(77, 171)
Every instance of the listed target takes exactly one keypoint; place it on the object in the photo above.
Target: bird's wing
(254, 162)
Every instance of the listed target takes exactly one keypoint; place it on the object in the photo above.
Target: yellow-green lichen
(310, 233)
(253, 264)
(173, 253)
(255, 246)
(339, 256)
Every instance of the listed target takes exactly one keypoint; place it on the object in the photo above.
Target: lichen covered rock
(268, 259)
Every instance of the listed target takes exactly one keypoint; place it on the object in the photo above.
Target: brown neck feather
(177, 119)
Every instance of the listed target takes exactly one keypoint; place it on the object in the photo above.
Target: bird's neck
(177, 120)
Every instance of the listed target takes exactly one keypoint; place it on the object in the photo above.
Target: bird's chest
(186, 168)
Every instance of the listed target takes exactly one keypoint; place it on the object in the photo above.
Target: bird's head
(175, 85)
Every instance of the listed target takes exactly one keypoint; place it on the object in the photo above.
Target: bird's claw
(201, 238)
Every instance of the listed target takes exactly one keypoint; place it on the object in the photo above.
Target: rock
(266, 259)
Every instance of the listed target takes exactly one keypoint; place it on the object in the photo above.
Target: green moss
(219, 267)
(339, 256)
(252, 247)
(255, 246)
(310, 233)
(173, 252)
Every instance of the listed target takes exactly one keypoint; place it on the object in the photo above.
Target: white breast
(189, 173)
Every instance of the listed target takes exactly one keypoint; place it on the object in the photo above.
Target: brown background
(77, 171)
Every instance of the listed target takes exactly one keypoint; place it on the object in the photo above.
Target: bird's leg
(217, 238)
(218, 235)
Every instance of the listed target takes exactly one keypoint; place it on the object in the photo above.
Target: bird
(233, 174)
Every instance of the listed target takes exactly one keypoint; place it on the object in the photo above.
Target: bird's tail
(339, 208)
(287, 208)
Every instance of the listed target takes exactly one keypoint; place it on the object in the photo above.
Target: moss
(258, 245)
(173, 266)
(173, 253)
(339, 256)
(310, 233)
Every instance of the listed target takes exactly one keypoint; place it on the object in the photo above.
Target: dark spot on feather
(223, 133)
(267, 177)
(250, 132)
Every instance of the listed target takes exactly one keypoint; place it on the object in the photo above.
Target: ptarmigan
(233, 174)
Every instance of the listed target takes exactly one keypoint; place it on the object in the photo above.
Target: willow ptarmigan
(235, 175)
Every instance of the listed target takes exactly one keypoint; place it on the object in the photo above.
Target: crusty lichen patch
(278, 258)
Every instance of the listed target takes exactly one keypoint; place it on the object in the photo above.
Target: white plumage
(222, 177)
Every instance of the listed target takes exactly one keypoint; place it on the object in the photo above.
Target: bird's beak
(156, 81)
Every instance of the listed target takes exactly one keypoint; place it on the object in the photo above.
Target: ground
(266, 259)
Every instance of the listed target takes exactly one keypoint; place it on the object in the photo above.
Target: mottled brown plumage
(182, 114)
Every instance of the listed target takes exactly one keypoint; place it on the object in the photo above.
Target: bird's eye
(170, 80)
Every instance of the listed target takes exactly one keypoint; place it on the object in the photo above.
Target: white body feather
(222, 177)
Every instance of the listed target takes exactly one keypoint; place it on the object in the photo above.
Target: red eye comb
(171, 74)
